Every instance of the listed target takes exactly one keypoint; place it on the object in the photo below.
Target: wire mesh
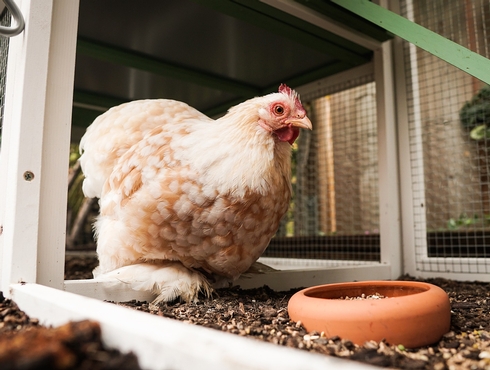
(334, 212)
(4, 46)
(449, 116)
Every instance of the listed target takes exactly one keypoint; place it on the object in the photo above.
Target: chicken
(187, 201)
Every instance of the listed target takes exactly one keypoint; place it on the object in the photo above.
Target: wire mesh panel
(4, 46)
(449, 119)
(334, 212)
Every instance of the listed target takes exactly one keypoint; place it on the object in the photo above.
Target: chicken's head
(284, 115)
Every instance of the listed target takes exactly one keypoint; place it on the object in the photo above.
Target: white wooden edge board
(162, 343)
(277, 280)
(300, 278)
(284, 263)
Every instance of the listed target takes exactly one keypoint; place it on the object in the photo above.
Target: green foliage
(465, 221)
(475, 114)
(75, 194)
(74, 154)
(480, 132)
(290, 213)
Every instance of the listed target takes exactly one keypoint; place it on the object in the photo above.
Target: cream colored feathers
(175, 185)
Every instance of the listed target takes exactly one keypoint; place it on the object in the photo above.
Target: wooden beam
(348, 19)
(310, 76)
(449, 51)
(88, 105)
(84, 116)
(288, 26)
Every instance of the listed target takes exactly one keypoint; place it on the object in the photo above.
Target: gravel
(261, 314)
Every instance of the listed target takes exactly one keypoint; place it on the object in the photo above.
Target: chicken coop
(392, 180)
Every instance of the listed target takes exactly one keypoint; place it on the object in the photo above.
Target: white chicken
(186, 200)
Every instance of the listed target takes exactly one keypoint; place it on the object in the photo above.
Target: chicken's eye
(278, 109)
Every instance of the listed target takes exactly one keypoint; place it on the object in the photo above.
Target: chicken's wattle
(288, 133)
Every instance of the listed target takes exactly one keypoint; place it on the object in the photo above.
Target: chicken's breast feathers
(157, 207)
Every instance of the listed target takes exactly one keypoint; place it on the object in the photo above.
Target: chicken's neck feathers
(234, 155)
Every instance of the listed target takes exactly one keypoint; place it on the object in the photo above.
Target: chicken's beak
(301, 122)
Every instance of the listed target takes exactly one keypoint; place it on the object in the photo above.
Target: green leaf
(480, 132)
(451, 224)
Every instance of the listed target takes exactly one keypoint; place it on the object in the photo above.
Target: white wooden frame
(35, 144)
(415, 255)
(33, 173)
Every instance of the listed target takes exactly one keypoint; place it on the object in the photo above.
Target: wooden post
(389, 180)
(34, 154)
(56, 148)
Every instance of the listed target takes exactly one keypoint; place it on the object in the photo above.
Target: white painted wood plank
(22, 148)
(278, 280)
(56, 144)
(417, 167)
(389, 186)
(292, 279)
(37, 130)
(462, 276)
(407, 169)
(162, 343)
(283, 263)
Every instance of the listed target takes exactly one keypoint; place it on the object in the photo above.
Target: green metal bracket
(102, 101)
(449, 51)
(133, 59)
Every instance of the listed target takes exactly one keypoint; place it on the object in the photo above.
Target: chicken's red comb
(285, 89)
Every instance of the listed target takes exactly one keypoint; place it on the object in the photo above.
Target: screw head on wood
(28, 176)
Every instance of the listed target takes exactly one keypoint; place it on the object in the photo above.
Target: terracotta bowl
(413, 314)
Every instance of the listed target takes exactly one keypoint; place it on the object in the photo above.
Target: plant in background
(80, 209)
(465, 221)
(475, 114)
